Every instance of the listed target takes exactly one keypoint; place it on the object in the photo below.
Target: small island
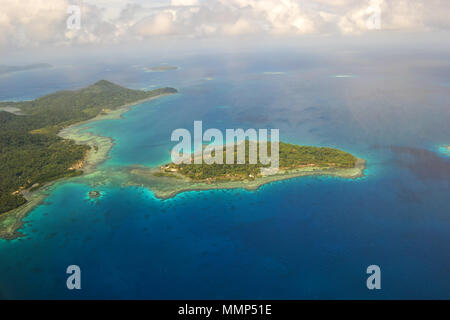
(161, 68)
(4, 69)
(94, 194)
(38, 147)
(294, 161)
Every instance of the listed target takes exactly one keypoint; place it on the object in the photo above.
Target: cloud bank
(33, 23)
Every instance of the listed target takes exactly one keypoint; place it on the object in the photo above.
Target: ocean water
(305, 238)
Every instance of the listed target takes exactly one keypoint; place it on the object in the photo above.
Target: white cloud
(27, 20)
(161, 23)
(41, 22)
(184, 2)
(240, 27)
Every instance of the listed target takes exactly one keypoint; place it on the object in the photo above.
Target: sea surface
(305, 238)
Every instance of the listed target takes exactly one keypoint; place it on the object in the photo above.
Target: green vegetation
(32, 154)
(290, 156)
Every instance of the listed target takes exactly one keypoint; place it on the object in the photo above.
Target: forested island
(290, 157)
(294, 161)
(32, 153)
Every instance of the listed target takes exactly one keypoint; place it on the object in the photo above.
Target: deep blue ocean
(305, 238)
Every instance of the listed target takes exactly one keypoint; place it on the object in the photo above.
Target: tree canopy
(31, 152)
(290, 157)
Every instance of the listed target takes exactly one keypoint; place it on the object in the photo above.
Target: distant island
(161, 68)
(4, 69)
(294, 161)
(32, 150)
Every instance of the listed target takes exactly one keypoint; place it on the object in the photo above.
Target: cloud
(278, 16)
(392, 15)
(28, 23)
(184, 2)
(27, 20)
(161, 23)
(240, 27)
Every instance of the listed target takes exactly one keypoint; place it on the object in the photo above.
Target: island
(294, 161)
(94, 194)
(4, 69)
(161, 68)
(33, 148)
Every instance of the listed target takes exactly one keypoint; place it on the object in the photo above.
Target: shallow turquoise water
(310, 237)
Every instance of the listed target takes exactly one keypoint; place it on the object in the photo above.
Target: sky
(43, 23)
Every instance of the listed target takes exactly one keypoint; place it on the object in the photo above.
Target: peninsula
(32, 153)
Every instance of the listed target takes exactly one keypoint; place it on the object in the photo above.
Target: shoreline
(12, 221)
(168, 187)
(162, 187)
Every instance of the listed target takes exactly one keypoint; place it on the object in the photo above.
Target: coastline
(12, 221)
(162, 187)
(168, 187)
